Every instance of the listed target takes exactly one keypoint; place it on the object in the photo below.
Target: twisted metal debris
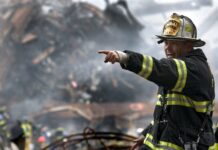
(91, 140)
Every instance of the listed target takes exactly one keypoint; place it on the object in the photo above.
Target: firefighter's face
(172, 49)
(176, 49)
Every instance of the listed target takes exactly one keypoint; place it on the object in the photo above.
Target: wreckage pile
(50, 56)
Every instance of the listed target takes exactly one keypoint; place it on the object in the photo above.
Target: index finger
(104, 52)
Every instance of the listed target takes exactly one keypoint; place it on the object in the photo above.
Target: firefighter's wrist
(123, 57)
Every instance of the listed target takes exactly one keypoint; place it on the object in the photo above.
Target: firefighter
(27, 130)
(183, 111)
(58, 134)
(21, 134)
(216, 136)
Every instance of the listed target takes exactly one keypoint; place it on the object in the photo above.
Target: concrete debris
(28, 38)
(21, 18)
(96, 111)
(42, 56)
(62, 39)
(49, 57)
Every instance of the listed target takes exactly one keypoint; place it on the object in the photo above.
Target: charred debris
(50, 70)
(49, 55)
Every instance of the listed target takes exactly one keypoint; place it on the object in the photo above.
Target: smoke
(29, 87)
(36, 81)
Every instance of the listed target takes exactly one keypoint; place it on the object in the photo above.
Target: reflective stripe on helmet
(162, 145)
(147, 66)
(182, 75)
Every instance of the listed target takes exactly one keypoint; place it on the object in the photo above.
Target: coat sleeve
(169, 73)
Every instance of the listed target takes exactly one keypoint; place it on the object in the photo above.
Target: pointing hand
(111, 56)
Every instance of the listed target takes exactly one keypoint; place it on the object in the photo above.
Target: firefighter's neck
(183, 52)
(184, 49)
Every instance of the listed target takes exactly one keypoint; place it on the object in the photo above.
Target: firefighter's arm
(138, 143)
(169, 73)
(140, 139)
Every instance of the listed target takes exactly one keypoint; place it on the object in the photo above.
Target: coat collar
(196, 52)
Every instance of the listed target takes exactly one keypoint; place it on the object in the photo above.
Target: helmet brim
(196, 42)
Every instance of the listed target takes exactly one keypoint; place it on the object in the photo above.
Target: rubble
(28, 38)
(97, 111)
(21, 18)
(41, 44)
(42, 56)
(52, 61)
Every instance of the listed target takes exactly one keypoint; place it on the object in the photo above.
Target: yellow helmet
(180, 28)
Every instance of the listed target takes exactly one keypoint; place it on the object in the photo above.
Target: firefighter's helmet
(180, 28)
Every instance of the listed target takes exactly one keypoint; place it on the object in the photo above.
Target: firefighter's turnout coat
(216, 137)
(185, 97)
